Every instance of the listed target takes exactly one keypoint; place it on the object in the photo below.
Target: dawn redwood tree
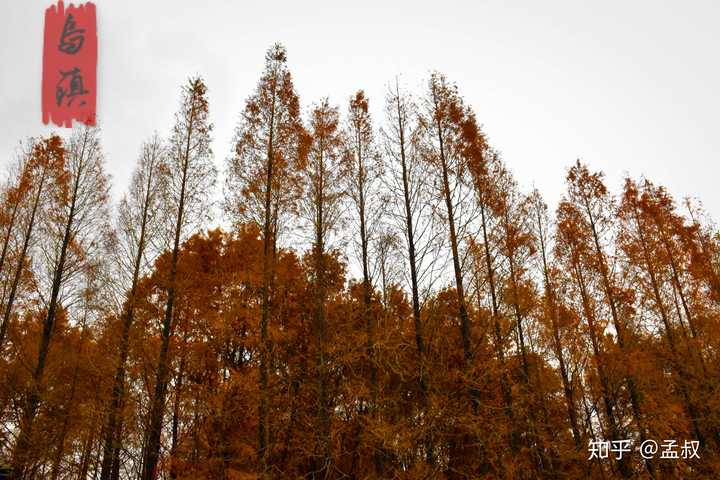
(263, 187)
(406, 178)
(674, 235)
(589, 196)
(487, 173)
(73, 234)
(76, 413)
(443, 121)
(552, 306)
(642, 245)
(360, 167)
(574, 250)
(13, 194)
(451, 141)
(41, 180)
(360, 170)
(185, 199)
(137, 224)
(397, 135)
(321, 209)
(516, 246)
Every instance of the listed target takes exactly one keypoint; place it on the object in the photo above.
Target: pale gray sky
(628, 86)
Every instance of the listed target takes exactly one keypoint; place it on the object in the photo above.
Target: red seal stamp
(69, 82)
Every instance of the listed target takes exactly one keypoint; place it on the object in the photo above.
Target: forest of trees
(383, 301)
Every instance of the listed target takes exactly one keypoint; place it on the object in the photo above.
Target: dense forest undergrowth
(386, 303)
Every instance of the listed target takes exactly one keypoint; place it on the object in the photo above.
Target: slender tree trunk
(89, 445)
(268, 243)
(681, 292)
(464, 320)
(677, 364)
(115, 470)
(152, 448)
(112, 441)
(369, 317)
(21, 260)
(589, 429)
(8, 235)
(87, 452)
(620, 330)
(63, 430)
(294, 408)
(33, 396)
(60, 448)
(499, 351)
(412, 260)
(608, 398)
(6, 247)
(538, 449)
(557, 345)
(323, 466)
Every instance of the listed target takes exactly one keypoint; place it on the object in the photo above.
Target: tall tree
(594, 211)
(191, 176)
(406, 177)
(553, 308)
(361, 170)
(443, 120)
(74, 228)
(674, 235)
(516, 247)
(42, 179)
(640, 242)
(321, 208)
(263, 186)
(574, 250)
(702, 241)
(137, 222)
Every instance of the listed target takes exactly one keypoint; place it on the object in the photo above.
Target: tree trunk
(538, 449)
(608, 398)
(620, 330)
(415, 291)
(33, 396)
(152, 448)
(112, 441)
(681, 374)
(499, 352)
(323, 465)
(21, 260)
(557, 345)
(6, 240)
(464, 320)
(268, 242)
(176, 421)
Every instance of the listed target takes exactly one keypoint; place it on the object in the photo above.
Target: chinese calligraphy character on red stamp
(69, 82)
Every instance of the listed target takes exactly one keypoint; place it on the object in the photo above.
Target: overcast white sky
(628, 86)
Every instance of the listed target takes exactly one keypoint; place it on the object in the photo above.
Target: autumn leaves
(387, 303)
